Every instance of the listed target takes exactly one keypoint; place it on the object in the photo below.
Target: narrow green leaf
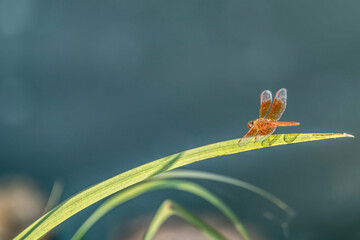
(169, 208)
(100, 191)
(55, 195)
(163, 213)
(153, 185)
(224, 179)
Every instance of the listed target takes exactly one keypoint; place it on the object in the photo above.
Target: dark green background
(89, 89)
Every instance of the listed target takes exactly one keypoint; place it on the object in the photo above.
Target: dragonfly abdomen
(285, 124)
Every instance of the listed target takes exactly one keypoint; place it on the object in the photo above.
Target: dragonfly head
(250, 124)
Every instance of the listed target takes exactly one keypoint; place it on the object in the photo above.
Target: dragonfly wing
(249, 136)
(278, 106)
(263, 134)
(265, 102)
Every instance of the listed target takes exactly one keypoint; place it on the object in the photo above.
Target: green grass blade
(220, 178)
(169, 208)
(153, 185)
(55, 195)
(100, 191)
(163, 213)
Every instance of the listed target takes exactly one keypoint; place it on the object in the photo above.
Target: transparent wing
(278, 106)
(265, 102)
(264, 134)
(248, 136)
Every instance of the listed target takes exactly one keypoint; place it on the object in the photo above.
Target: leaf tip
(348, 135)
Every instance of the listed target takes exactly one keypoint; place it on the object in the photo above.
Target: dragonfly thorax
(259, 123)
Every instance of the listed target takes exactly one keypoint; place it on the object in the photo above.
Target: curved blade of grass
(55, 195)
(169, 208)
(220, 178)
(100, 191)
(153, 185)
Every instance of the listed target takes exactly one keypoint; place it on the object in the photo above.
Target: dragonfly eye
(250, 124)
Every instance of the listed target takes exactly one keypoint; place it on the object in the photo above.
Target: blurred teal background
(91, 89)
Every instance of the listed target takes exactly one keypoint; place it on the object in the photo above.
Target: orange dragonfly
(263, 127)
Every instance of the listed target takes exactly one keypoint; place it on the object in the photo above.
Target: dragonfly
(267, 122)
